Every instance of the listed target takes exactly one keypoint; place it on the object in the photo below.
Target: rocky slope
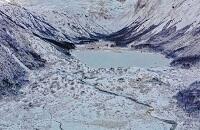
(170, 27)
(19, 29)
(42, 87)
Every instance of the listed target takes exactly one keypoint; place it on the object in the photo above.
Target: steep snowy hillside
(43, 87)
(170, 27)
(81, 17)
(19, 30)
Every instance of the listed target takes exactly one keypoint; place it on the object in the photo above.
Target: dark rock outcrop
(189, 99)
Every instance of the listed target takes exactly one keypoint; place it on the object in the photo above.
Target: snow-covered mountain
(19, 30)
(170, 27)
(43, 87)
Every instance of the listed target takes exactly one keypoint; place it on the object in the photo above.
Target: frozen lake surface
(122, 58)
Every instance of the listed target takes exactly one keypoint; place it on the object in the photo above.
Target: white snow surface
(112, 15)
(68, 95)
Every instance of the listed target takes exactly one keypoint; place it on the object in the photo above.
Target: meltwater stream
(122, 58)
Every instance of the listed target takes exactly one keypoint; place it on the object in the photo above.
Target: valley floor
(68, 95)
(62, 93)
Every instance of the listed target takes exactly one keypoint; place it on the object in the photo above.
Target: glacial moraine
(42, 88)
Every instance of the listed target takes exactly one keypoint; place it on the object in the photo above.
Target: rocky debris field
(68, 95)
(43, 87)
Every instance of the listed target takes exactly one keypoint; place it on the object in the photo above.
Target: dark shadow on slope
(186, 62)
(16, 54)
(85, 40)
(127, 34)
(62, 45)
(189, 99)
(12, 75)
(26, 20)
